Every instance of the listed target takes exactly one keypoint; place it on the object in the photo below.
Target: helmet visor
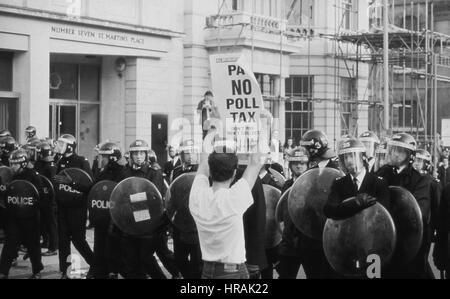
(351, 163)
(398, 155)
(60, 147)
(370, 148)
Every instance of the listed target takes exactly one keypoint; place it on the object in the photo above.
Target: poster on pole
(240, 103)
(446, 132)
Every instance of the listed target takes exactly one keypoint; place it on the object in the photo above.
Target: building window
(299, 106)
(6, 71)
(299, 12)
(8, 115)
(349, 15)
(234, 5)
(348, 108)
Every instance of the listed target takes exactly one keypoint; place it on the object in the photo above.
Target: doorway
(159, 137)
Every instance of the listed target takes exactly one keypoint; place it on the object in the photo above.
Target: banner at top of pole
(239, 100)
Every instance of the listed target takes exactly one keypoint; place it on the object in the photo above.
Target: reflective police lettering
(100, 204)
(20, 201)
(68, 189)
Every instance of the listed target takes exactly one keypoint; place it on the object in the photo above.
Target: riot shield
(22, 199)
(350, 243)
(177, 203)
(307, 199)
(136, 206)
(99, 204)
(66, 195)
(273, 235)
(408, 222)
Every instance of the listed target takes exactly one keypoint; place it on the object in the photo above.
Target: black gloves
(364, 200)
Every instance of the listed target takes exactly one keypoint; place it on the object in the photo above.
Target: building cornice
(87, 21)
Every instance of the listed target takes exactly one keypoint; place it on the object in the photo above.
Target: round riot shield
(281, 212)
(307, 199)
(177, 203)
(66, 195)
(136, 206)
(279, 178)
(22, 199)
(49, 191)
(6, 175)
(350, 243)
(273, 235)
(408, 222)
(99, 204)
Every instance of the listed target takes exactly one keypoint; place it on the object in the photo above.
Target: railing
(260, 23)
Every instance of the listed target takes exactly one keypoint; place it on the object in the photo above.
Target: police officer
(441, 254)
(188, 160)
(186, 245)
(46, 167)
(71, 219)
(165, 255)
(371, 142)
(7, 146)
(401, 155)
(138, 251)
(290, 251)
(30, 132)
(321, 156)
(422, 164)
(24, 229)
(366, 188)
(107, 237)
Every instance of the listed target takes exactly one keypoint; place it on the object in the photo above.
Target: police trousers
(139, 259)
(49, 227)
(188, 257)
(18, 231)
(72, 228)
(107, 253)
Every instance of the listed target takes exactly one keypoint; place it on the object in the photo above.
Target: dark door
(159, 137)
(8, 115)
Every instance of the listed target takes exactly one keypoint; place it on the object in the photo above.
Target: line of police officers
(366, 180)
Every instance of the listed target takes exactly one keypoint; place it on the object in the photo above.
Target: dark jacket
(149, 172)
(444, 176)
(414, 182)
(443, 229)
(343, 189)
(112, 172)
(75, 161)
(169, 167)
(47, 169)
(179, 170)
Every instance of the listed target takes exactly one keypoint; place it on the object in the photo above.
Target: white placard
(141, 216)
(138, 197)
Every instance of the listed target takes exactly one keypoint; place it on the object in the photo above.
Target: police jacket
(414, 182)
(47, 169)
(75, 161)
(179, 170)
(254, 225)
(344, 188)
(112, 172)
(443, 227)
(149, 172)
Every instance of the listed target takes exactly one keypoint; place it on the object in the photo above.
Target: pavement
(51, 264)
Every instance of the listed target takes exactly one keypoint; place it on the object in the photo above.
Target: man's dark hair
(209, 93)
(222, 166)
